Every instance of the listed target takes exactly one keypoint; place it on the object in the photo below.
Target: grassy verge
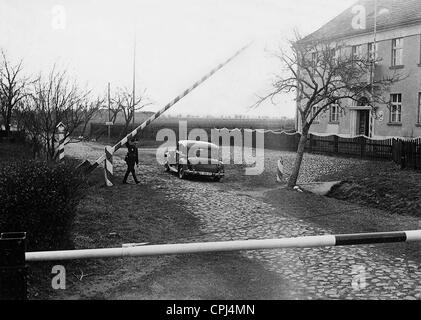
(384, 187)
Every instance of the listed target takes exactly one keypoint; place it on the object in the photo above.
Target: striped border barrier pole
(223, 246)
(168, 106)
(108, 166)
(280, 171)
(61, 146)
(60, 138)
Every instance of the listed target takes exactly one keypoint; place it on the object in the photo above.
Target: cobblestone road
(314, 273)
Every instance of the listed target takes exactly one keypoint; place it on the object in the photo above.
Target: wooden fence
(405, 152)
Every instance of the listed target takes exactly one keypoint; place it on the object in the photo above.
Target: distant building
(102, 116)
(398, 40)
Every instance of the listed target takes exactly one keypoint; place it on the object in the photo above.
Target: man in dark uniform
(131, 159)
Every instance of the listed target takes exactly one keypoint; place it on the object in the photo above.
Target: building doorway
(363, 122)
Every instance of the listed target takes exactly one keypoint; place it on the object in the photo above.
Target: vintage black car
(195, 158)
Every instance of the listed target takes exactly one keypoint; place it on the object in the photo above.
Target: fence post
(336, 144)
(12, 266)
(362, 145)
(403, 157)
(310, 143)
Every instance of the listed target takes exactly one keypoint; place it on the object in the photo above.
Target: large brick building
(398, 40)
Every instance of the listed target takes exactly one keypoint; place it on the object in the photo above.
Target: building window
(372, 51)
(335, 53)
(334, 113)
(396, 108)
(357, 51)
(419, 108)
(314, 59)
(420, 49)
(397, 52)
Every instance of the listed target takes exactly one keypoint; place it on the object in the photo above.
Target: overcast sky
(178, 41)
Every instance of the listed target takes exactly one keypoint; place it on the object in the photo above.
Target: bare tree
(115, 109)
(52, 100)
(324, 75)
(12, 89)
(82, 115)
(125, 102)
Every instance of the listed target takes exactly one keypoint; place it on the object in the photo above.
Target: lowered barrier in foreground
(13, 256)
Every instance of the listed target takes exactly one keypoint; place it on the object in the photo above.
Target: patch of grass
(389, 189)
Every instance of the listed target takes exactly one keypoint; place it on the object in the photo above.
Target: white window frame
(314, 58)
(314, 110)
(397, 52)
(395, 108)
(335, 53)
(334, 113)
(419, 108)
(357, 51)
(372, 50)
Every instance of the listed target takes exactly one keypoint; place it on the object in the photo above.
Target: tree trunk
(7, 129)
(292, 181)
(7, 124)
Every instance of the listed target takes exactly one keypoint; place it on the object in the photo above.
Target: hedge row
(41, 199)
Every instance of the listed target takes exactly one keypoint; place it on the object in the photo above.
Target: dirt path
(164, 209)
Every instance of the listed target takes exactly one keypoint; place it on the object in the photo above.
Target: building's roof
(391, 14)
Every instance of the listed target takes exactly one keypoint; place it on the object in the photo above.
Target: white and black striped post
(108, 166)
(160, 112)
(60, 139)
(280, 171)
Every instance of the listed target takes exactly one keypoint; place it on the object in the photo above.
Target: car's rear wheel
(216, 179)
(181, 173)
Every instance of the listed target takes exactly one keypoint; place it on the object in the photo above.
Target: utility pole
(109, 113)
(373, 67)
(134, 76)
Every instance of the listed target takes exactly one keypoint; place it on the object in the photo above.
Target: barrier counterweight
(202, 247)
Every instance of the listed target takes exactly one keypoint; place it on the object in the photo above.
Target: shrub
(41, 199)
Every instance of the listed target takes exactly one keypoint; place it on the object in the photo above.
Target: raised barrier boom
(202, 247)
(160, 112)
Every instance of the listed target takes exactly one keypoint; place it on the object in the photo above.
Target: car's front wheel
(181, 173)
